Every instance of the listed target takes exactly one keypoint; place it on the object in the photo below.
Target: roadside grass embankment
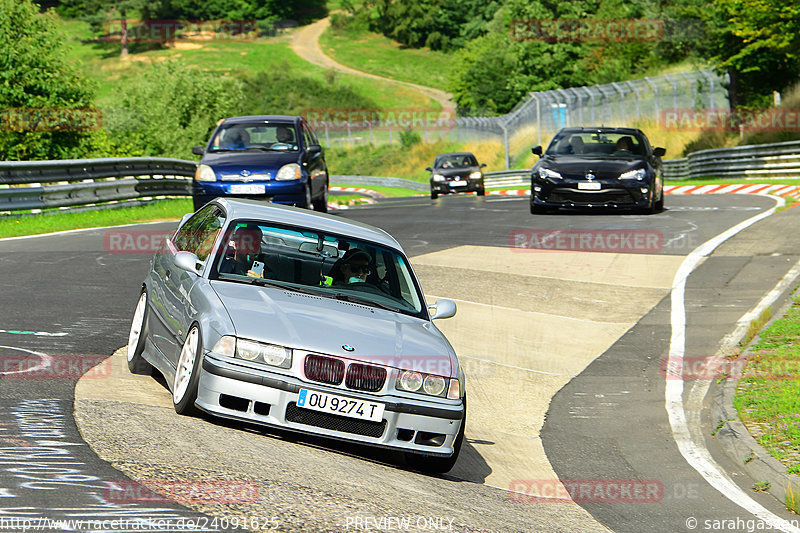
(373, 53)
(62, 220)
(768, 394)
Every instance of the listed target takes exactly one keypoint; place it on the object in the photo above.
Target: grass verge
(15, 226)
(373, 53)
(768, 395)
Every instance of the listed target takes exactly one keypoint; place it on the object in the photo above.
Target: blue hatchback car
(275, 158)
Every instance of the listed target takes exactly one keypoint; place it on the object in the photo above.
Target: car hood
(454, 172)
(325, 325)
(578, 167)
(253, 161)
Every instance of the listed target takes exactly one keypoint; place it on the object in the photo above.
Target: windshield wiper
(365, 301)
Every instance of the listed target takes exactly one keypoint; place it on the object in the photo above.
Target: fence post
(655, 98)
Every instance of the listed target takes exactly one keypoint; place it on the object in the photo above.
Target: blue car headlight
(205, 173)
(289, 172)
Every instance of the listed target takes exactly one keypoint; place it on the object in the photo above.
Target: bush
(171, 107)
(409, 138)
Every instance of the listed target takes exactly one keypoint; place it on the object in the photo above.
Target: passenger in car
(244, 248)
(353, 267)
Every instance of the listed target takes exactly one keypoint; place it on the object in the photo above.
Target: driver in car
(244, 253)
(283, 135)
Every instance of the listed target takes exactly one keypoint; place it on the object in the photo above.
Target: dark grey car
(456, 172)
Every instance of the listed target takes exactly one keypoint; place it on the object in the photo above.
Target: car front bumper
(609, 197)
(289, 192)
(444, 187)
(262, 397)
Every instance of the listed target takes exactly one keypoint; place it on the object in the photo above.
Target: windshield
(620, 145)
(330, 265)
(267, 137)
(455, 161)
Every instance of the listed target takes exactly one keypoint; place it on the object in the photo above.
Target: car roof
(602, 129)
(292, 216)
(261, 118)
(455, 154)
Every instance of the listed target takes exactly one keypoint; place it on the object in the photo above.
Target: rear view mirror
(659, 152)
(443, 308)
(429, 169)
(187, 261)
(537, 150)
(198, 150)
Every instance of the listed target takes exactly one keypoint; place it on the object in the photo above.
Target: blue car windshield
(255, 137)
(329, 265)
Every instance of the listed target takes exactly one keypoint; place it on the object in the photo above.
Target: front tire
(660, 203)
(434, 195)
(481, 192)
(137, 336)
(187, 373)
(439, 465)
(321, 204)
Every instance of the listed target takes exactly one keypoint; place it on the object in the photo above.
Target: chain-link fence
(538, 116)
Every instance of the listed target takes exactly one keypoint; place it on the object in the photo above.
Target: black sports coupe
(598, 168)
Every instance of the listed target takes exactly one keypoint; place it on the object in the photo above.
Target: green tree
(757, 42)
(36, 81)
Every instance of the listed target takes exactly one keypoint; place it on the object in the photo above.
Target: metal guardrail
(88, 181)
(778, 160)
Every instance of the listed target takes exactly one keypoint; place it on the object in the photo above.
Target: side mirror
(187, 261)
(483, 165)
(537, 150)
(184, 218)
(429, 169)
(314, 149)
(442, 309)
(659, 152)
(198, 150)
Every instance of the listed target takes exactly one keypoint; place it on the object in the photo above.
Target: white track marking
(46, 360)
(697, 455)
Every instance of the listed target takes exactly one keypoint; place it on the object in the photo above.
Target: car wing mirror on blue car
(198, 150)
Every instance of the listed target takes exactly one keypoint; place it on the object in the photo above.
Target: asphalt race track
(564, 347)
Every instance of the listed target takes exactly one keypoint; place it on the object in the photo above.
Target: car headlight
(259, 352)
(638, 174)
(289, 172)
(438, 177)
(205, 173)
(413, 381)
(476, 175)
(545, 173)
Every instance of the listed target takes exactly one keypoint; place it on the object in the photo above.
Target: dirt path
(305, 43)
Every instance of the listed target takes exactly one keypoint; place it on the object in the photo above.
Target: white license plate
(589, 186)
(458, 183)
(339, 405)
(247, 188)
